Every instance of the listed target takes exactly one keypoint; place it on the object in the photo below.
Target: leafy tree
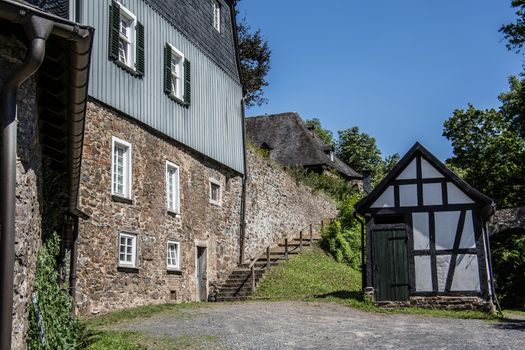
(514, 33)
(513, 105)
(326, 135)
(358, 150)
(490, 153)
(255, 56)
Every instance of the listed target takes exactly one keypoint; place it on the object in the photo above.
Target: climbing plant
(51, 325)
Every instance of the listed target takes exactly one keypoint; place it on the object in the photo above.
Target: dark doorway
(390, 265)
(202, 274)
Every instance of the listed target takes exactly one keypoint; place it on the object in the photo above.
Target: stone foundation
(28, 189)
(442, 302)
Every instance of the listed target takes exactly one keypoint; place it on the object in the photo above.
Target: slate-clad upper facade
(212, 123)
(193, 18)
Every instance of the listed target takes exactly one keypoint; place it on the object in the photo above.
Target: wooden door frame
(201, 244)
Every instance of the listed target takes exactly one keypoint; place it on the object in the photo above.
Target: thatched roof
(292, 143)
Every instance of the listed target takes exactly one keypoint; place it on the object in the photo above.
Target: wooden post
(286, 248)
(268, 257)
(311, 233)
(301, 240)
(322, 225)
(253, 278)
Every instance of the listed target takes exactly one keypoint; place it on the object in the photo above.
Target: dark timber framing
(481, 209)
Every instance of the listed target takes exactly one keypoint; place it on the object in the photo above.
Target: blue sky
(395, 69)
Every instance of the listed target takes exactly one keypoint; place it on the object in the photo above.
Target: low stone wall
(277, 206)
(28, 189)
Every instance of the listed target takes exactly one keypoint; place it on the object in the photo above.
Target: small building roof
(293, 144)
(486, 203)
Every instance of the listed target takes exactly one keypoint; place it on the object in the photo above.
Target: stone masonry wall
(277, 206)
(101, 286)
(28, 189)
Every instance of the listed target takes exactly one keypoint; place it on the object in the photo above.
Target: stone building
(44, 65)
(163, 157)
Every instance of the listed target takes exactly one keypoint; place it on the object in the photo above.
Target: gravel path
(298, 325)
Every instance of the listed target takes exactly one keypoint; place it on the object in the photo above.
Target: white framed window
(173, 187)
(216, 15)
(127, 37)
(177, 73)
(121, 168)
(127, 249)
(215, 192)
(173, 255)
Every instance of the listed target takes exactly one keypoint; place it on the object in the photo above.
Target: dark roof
(477, 196)
(292, 143)
(194, 19)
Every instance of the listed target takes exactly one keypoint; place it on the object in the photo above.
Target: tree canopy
(326, 135)
(490, 153)
(255, 56)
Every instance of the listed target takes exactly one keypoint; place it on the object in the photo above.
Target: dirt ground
(301, 325)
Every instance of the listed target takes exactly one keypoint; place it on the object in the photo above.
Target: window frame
(176, 207)
(176, 53)
(216, 6)
(134, 249)
(169, 266)
(128, 168)
(132, 41)
(217, 202)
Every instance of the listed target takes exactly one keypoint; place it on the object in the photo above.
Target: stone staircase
(240, 284)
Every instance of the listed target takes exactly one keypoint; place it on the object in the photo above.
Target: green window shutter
(139, 65)
(187, 82)
(167, 69)
(114, 27)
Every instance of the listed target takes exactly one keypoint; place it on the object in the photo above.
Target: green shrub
(51, 325)
(342, 238)
(508, 258)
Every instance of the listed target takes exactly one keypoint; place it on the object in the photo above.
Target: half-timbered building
(426, 236)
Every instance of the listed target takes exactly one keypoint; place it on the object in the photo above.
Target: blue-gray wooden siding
(212, 125)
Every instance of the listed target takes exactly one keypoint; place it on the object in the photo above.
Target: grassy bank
(315, 276)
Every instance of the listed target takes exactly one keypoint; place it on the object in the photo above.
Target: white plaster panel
(421, 231)
(386, 199)
(466, 276)
(442, 265)
(423, 273)
(408, 195)
(409, 172)
(468, 239)
(432, 194)
(428, 171)
(456, 196)
(446, 226)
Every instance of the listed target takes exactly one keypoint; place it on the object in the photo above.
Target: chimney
(367, 181)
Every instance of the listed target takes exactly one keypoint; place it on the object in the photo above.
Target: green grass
(102, 332)
(106, 340)
(315, 276)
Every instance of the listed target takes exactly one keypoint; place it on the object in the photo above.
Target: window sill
(174, 271)
(127, 269)
(178, 100)
(215, 203)
(173, 213)
(120, 199)
(128, 69)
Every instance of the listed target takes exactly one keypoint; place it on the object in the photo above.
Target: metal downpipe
(38, 30)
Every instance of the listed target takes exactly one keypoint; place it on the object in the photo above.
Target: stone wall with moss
(28, 188)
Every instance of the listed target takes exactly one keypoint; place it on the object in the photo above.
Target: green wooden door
(390, 265)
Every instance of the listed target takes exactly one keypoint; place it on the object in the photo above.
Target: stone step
(241, 294)
(230, 298)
